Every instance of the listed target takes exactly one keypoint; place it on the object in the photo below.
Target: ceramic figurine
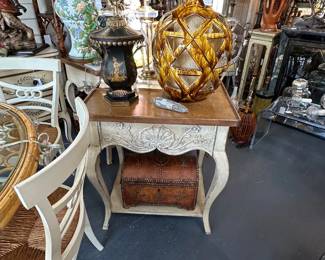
(14, 35)
(80, 18)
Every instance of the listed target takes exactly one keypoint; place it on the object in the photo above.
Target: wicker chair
(57, 230)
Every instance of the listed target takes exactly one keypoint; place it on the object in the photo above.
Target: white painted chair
(40, 102)
(34, 192)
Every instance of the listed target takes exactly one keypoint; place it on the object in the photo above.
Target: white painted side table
(260, 38)
(143, 128)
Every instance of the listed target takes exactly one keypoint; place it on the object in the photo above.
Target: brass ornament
(192, 47)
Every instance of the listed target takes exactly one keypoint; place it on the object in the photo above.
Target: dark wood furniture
(300, 53)
(44, 20)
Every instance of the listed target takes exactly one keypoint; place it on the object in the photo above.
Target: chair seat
(24, 238)
(51, 131)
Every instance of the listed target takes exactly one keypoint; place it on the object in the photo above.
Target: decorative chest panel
(158, 179)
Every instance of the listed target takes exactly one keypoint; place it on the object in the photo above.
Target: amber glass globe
(192, 47)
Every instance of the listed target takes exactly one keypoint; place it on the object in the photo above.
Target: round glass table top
(19, 157)
(12, 133)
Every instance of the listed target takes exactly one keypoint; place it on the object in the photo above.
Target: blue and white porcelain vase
(80, 18)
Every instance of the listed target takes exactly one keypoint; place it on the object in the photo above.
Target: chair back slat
(43, 97)
(51, 228)
(69, 216)
(21, 63)
(21, 88)
(68, 197)
(72, 248)
(16, 101)
(71, 199)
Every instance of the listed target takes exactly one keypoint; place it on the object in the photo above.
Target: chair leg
(109, 159)
(90, 234)
(67, 127)
(61, 150)
(70, 94)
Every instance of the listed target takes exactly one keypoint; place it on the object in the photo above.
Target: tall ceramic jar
(80, 18)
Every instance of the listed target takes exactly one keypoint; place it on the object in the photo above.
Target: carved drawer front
(169, 139)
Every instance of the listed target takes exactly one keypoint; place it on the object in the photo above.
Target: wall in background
(245, 11)
(218, 6)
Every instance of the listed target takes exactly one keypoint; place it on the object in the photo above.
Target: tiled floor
(273, 208)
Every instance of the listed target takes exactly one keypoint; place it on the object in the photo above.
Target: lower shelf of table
(117, 205)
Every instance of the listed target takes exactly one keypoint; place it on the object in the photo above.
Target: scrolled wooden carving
(166, 138)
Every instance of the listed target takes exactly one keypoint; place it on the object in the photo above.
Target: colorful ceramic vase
(80, 18)
(192, 48)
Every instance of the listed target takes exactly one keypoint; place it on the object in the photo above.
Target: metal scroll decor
(192, 48)
(8, 156)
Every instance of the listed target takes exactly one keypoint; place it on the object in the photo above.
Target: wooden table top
(217, 109)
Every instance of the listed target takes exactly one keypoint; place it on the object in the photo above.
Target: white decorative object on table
(168, 104)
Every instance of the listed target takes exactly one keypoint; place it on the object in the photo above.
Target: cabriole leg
(95, 177)
(218, 183)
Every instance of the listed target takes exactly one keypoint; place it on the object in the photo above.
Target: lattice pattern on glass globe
(192, 48)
